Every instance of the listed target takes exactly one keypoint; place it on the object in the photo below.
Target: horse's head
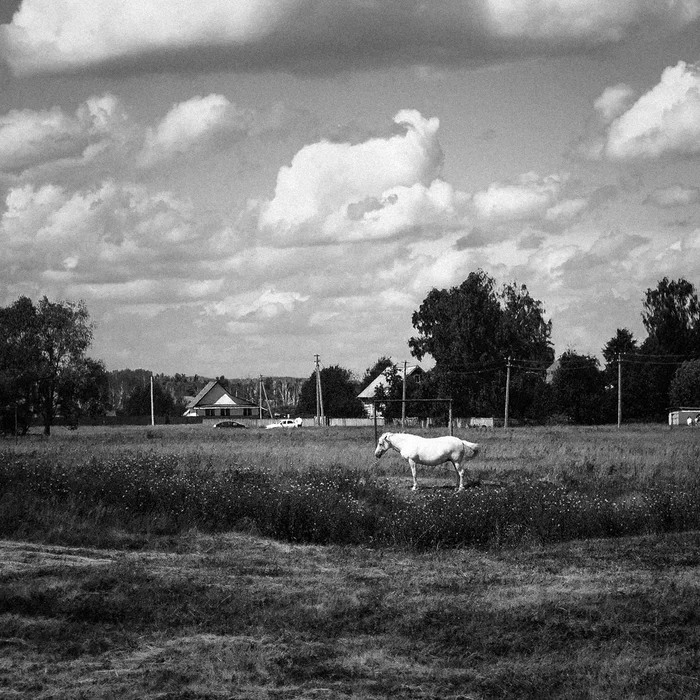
(383, 445)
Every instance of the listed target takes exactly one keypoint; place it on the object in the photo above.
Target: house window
(209, 412)
(247, 411)
(225, 411)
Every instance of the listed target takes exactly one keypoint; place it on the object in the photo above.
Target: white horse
(429, 451)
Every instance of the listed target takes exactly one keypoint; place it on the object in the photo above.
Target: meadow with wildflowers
(188, 563)
(532, 486)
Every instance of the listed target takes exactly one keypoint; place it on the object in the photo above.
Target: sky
(235, 187)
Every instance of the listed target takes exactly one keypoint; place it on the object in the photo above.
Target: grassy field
(183, 562)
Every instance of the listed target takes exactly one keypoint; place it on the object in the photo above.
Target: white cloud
(402, 210)
(593, 20)
(252, 306)
(529, 197)
(663, 121)
(101, 133)
(375, 189)
(30, 138)
(111, 234)
(613, 102)
(190, 125)
(70, 35)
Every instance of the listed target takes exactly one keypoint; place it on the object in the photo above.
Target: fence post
(403, 397)
(376, 436)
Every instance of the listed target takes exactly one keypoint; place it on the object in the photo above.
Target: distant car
(229, 424)
(286, 423)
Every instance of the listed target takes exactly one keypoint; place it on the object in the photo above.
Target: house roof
(381, 380)
(213, 394)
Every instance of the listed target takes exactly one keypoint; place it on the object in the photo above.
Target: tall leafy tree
(42, 347)
(685, 385)
(63, 335)
(470, 331)
(671, 316)
(339, 391)
(387, 395)
(19, 364)
(371, 373)
(524, 331)
(526, 336)
(139, 401)
(84, 390)
(623, 347)
(459, 327)
(577, 388)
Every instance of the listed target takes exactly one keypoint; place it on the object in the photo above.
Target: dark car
(229, 424)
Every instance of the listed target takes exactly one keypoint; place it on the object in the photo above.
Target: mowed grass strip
(236, 616)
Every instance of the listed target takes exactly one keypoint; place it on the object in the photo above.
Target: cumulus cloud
(267, 305)
(111, 234)
(665, 121)
(73, 35)
(191, 125)
(613, 102)
(101, 131)
(530, 196)
(30, 138)
(375, 189)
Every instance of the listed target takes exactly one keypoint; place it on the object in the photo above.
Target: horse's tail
(473, 447)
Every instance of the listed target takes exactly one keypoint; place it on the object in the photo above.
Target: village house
(213, 401)
(367, 394)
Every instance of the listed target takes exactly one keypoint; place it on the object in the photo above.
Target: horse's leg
(413, 472)
(460, 473)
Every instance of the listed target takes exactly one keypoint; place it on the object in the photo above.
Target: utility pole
(505, 421)
(267, 400)
(403, 397)
(260, 406)
(619, 390)
(153, 414)
(320, 418)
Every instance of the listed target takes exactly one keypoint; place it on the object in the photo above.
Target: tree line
(46, 375)
(488, 340)
(485, 341)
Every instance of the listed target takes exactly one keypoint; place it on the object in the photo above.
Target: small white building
(684, 415)
(215, 402)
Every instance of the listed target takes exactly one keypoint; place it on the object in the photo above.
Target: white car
(286, 423)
